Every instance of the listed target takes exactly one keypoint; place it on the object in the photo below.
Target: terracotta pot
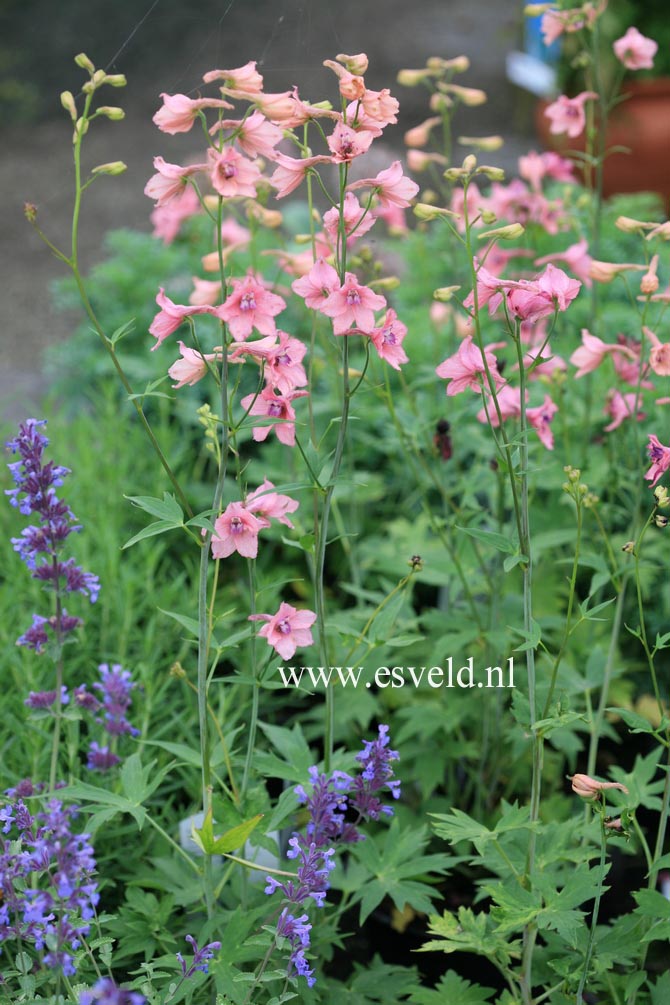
(642, 124)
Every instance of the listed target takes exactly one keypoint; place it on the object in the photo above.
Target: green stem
(594, 916)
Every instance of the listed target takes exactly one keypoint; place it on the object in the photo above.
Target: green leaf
(121, 332)
(190, 624)
(636, 723)
(533, 637)
(490, 537)
(236, 836)
(153, 529)
(166, 508)
(452, 989)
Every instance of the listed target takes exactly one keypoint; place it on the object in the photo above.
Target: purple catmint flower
(101, 758)
(115, 688)
(329, 799)
(45, 699)
(40, 544)
(200, 957)
(49, 893)
(106, 992)
(84, 699)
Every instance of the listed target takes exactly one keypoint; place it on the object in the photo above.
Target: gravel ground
(290, 39)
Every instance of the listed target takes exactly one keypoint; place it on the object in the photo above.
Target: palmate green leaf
(453, 989)
(513, 906)
(642, 787)
(395, 870)
(660, 991)
(469, 932)
(636, 723)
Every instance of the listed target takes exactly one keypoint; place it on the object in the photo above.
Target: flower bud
(412, 78)
(445, 293)
(271, 218)
(419, 135)
(469, 163)
(631, 226)
(590, 788)
(418, 160)
(488, 216)
(662, 496)
(488, 143)
(68, 103)
(459, 64)
(426, 212)
(30, 211)
(454, 174)
(629, 547)
(80, 128)
(509, 232)
(493, 173)
(660, 520)
(111, 112)
(470, 96)
(440, 102)
(357, 64)
(84, 62)
(115, 79)
(386, 283)
(111, 168)
(649, 281)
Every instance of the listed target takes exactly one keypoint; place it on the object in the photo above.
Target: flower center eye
(284, 627)
(274, 409)
(236, 525)
(247, 302)
(353, 298)
(284, 359)
(388, 336)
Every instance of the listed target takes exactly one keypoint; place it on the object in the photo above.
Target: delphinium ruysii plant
(541, 923)
(257, 406)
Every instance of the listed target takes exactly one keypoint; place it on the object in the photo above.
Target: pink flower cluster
(247, 307)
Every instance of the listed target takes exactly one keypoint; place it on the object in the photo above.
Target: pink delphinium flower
(379, 109)
(245, 80)
(635, 51)
(290, 171)
(387, 340)
(576, 257)
(171, 316)
(540, 419)
(167, 218)
(649, 281)
(392, 187)
(592, 352)
(509, 403)
(169, 181)
(274, 406)
(283, 366)
(315, 287)
(356, 221)
(192, 367)
(205, 291)
(352, 306)
(659, 355)
(232, 174)
(179, 112)
(466, 368)
(346, 143)
(250, 306)
(622, 406)
(287, 630)
(559, 286)
(236, 530)
(660, 459)
(267, 504)
(254, 134)
(567, 114)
